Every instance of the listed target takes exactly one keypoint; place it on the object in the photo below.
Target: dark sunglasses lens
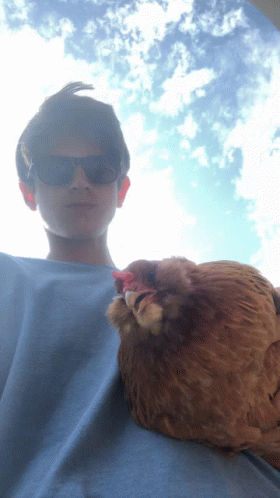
(55, 170)
(59, 170)
(101, 170)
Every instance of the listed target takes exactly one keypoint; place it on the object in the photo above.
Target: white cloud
(149, 19)
(140, 75)
(255, 135)
(152, 224)
(31, 75)
(153, 21)
(267, 258)
(2, 13)
(138, 136)
(179, 89)
(136, 30)
(211, 22)
(179, 55)
(90, 28)
(19, 9)
(200, 92)
(96, 2)
(185, 144)
(189, 128)
(55, 26)
(200, 154)
(188, 26)
(175, 8)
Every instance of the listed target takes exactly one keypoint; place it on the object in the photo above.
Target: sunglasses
(60, 170)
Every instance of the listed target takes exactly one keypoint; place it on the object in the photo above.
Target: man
(66, 430)
(76, 218)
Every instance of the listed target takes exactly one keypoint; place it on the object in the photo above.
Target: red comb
(127, 279)
(125, 276)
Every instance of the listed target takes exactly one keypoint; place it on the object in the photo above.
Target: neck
(92, 251)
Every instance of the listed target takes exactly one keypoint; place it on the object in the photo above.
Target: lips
(86, 206)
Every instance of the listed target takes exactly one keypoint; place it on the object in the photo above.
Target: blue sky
(195, 85)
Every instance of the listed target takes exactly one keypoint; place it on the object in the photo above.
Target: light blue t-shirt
(65, 428)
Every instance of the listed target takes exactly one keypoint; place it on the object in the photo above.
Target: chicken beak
(130, 298)
(137, 300)
(147, 313)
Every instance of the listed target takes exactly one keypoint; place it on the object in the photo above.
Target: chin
(76, 235)
(85, 237)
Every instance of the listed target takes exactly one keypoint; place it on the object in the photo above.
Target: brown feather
(199, 354)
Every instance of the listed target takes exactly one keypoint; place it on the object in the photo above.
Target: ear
(28, 196)
(123, 191)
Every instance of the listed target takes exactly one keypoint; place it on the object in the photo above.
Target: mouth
(81, 206)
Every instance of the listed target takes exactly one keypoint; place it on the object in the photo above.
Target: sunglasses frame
(76, 161)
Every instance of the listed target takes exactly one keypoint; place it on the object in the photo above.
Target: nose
(80, 180)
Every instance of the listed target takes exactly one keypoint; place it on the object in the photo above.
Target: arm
(270, 8)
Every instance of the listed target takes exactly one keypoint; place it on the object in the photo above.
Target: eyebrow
(78, 158)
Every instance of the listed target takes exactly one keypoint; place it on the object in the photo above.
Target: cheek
(50, 202)
(48, 199)
(107, 198)
(108, 193)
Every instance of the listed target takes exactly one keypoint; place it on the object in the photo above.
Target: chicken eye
(166, 292)
(150, 276)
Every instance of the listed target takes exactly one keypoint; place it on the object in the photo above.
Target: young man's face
(81, 209)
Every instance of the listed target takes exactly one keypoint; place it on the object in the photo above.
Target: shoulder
(44, 273)
(7, 262)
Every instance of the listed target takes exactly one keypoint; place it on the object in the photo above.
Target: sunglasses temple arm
(31, 167)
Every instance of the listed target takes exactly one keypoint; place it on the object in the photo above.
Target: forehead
(75, 147)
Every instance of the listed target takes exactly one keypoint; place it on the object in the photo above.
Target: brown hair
(65, 114)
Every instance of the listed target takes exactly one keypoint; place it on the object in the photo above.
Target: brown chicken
(200, 352)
